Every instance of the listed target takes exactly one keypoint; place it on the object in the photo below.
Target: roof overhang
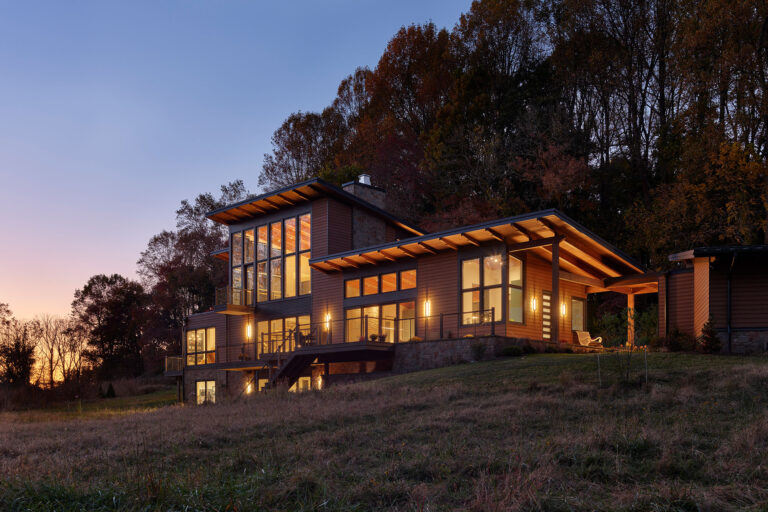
(221, 254)
(297, 194)
(583, 255)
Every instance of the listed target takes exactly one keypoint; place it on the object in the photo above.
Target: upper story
(272, 238)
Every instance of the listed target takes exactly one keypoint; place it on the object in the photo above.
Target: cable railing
(362, 329)
(228, 296)
(174, 363)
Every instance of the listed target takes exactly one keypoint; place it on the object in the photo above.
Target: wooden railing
(174, 363)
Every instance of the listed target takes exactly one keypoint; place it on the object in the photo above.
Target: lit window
(276, 234)
(276, 279)
(305, 279)
(371, 285)
(290, 276)
(352, 288)
(353, 327)
(261, 247)
(290, 236)
(206, 392)
(407, 279)
(248, 246)
(515, 290)
(407, 320)
(578, 314)
(479, 302)
(237, 249)
(305, 225)
(201, 346)
(389, 282)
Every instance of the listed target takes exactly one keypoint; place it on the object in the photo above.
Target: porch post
(631, 319)
(555, 301)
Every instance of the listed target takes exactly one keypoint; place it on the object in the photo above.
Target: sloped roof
(295, 194)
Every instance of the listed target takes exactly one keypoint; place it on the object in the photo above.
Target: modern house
(727, 284)
(326, 286)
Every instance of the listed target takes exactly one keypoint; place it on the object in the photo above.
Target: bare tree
(49, 333)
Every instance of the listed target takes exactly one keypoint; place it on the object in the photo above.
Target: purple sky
(113, 112)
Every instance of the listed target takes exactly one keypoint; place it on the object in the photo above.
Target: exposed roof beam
(368, 258)
(271, 203)
(351, 262)
(289, 201)
(317, 266)
(495, 234)
(427, 248)
(593, 260)
(575, 278)
(577, 262)
(471, 239)
(334, 265)
(530, 234)
(301, 195)
(541, 242)
(387, 256)
(406, 251)
(251, 205)
(449, 243)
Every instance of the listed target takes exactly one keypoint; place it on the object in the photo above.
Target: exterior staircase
(290, 371)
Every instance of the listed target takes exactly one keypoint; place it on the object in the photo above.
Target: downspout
(729, 301)
(666, 303)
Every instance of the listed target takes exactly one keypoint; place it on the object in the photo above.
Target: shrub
(678, 341)
(478, 350)
(110, 392)
(511, 351)
(528, 349)
(709, 342)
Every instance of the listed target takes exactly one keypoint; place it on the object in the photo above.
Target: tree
(113, 311)
(17, 349)
(49, 335)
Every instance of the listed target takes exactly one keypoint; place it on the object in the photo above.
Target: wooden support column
(555, 301)
(631, 319)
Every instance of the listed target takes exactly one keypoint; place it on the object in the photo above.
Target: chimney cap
(365, 179)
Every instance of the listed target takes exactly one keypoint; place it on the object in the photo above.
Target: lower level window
(206, 392)
(201, 346)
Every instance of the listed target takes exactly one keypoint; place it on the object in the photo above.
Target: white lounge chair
(586, 340)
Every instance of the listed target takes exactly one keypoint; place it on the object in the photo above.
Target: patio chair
(586, 340)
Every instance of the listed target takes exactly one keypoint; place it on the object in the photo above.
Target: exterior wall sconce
(562, 308)
(327, 321)
(427, 308)
(248, 331)
(533, 304)
(249, 388)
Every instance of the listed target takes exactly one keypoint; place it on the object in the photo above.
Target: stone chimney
(363, 189)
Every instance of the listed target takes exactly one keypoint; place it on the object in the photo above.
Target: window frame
(583, 302)
(206, 352)
(205, 400)
(523, 266)
(481, 289)
(396, 327)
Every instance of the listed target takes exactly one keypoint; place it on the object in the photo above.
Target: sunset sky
(113, 112)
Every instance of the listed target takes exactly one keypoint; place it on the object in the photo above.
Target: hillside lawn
(531, 433)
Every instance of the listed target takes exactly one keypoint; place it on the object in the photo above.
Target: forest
(646, 121)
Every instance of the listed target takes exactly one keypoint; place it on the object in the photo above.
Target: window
(249, 282)
(515, 290)
(201, 346)
(578, 314)
(237, 249)
(371, 285)
(279, 334)
(384, 283)
(381, 322)
(248, 246)
(389, 282)
(351, 288)
(407, 321)
(206, 392)
(407, 279)
(281, 270)
(481, 289)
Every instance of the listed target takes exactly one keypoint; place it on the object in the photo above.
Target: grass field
(532, 433)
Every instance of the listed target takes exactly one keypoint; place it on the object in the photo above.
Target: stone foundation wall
(228, 384)
(745, 342)
(425, 355)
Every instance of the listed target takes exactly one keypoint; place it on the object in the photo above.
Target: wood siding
(680, 307)
(538, 278)
(437, 279)
(749, 289)
(700, 294)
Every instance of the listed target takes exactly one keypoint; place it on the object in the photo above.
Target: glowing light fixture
(427, 307)
(249, 388)
(248, 331)
(533, 304)
(562, 308)
(327, 321)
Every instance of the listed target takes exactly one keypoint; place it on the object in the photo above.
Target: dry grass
(534, 433)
